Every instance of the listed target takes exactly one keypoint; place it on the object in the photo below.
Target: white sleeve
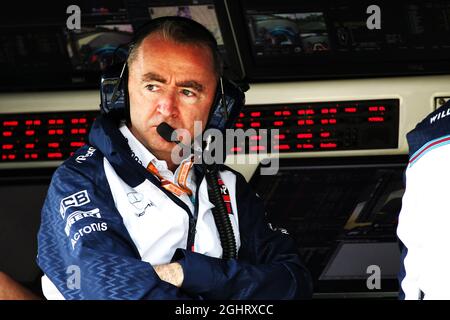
(49, 289)
(424, 224)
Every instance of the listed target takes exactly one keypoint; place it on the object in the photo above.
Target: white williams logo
(75, 200)
(137, 200)
(440, 115)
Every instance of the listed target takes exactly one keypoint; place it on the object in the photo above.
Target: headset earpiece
(114, 99)
(228, 102)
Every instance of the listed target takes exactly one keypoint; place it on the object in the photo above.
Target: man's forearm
(12, 290)
(171, 273)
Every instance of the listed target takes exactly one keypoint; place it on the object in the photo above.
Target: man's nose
(167, 104)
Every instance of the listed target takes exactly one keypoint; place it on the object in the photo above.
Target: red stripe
(228, 205)
(434, 143)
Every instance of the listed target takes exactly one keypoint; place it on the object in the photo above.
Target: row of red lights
(255, 114)
(56, 121)
(50, 132)
(308, 135)
(37, 122)
(328, 145)
(50, 145)
(50, 155)
(308, 122)
(377, 108)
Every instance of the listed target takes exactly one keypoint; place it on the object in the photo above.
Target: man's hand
(171, 273)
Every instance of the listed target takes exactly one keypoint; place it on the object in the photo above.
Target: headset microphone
(170, 135)
(166, 131)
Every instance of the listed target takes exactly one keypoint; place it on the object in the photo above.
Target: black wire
(220, 214)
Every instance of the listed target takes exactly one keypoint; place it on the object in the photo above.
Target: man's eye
(187, 93)
(151, 87)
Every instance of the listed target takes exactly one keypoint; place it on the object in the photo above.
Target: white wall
(416, 95)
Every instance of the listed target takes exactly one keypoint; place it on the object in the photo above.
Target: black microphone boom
(166, 131)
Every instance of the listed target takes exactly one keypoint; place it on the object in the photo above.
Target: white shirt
(144, 156)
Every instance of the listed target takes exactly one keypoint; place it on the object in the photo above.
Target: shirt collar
(139, 151)
(143, 155)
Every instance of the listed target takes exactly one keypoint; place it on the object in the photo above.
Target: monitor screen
(340, 39)
(342, 212)
(38, 49)
(351, 260)
(103, 37)
(96, 47)
(288, 33)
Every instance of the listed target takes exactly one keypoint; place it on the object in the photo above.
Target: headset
(114, 100)
(227, 104)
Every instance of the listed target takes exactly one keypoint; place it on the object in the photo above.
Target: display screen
(99, 46)
(342, 212)
(42, 47)
(38, 49)
(344, 38)
(288, 33)
(103, 38)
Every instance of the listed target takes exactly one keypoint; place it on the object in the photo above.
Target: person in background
(424, 220)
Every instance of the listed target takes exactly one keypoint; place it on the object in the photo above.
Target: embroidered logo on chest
(139, 203)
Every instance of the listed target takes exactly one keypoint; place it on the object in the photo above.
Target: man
(123, 220)
(425, 215)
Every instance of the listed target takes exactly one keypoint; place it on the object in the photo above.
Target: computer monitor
(343, 214)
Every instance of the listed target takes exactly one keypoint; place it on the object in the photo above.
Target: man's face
(169, 82)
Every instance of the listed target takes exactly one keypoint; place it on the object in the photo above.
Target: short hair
(181, 30)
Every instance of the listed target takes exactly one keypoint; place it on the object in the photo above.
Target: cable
(220, 214)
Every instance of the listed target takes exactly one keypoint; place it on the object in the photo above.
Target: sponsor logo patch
(88, 154)
(75, 200)
(78, 215)
(93, 227)
(137, 200)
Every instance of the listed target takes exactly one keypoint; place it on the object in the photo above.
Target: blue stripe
(426, 146)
